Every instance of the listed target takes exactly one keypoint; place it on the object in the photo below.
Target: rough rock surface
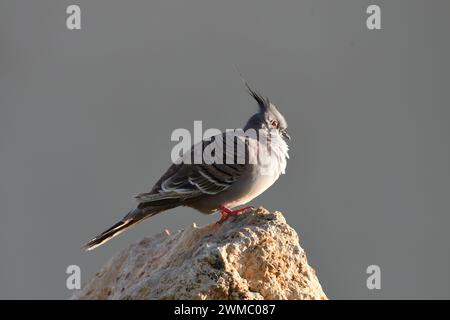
(255, 255)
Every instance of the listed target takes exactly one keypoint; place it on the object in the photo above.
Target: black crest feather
(263, 101)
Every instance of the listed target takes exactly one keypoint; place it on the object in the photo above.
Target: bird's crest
(263, 101)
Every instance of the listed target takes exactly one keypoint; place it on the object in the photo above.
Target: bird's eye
(274, 123)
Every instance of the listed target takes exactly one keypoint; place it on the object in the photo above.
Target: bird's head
(268, 117)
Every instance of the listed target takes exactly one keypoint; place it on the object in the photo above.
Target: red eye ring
(274, 123)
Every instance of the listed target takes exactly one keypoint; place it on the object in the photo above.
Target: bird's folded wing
(186, 181)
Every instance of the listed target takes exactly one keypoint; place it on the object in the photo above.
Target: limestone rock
(255, 255)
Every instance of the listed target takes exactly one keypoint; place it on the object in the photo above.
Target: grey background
(86, 118)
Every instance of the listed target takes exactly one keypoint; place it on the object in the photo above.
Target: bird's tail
(135, 216)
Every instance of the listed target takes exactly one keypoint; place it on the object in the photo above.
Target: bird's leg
(226, 213)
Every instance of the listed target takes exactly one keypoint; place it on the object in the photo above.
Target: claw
(227, 213)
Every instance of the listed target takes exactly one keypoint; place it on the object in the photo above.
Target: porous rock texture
(255, 255)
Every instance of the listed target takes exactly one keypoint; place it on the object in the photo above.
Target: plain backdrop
(86, 118)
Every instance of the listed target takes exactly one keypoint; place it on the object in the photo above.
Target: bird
(217, 187)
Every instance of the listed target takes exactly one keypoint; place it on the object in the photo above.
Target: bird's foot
(227, 213)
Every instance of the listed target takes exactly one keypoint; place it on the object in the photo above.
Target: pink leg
(226, 213)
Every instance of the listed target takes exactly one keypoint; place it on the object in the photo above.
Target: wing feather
(186, 181)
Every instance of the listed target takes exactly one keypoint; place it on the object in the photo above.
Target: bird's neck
(276, 145)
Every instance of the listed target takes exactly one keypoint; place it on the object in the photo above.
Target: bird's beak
(285, 135)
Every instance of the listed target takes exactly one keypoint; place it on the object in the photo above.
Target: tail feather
(107, 235)
(142, 212)
(133, 217)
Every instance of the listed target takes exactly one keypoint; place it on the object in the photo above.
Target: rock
(255, 255)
